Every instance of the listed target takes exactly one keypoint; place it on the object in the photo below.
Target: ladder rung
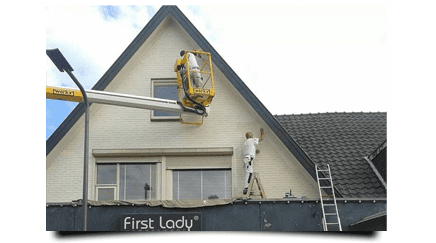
(332, 223)
(325, 187)
(331, 214)
(325, 178)
(325, 205)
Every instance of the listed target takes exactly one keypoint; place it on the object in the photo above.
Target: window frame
(117, 185)
(227, 170)
(166, 164)
(102, 186)
(155, 177)
(162, 82)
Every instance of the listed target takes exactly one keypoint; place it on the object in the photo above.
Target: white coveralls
(249, 152)
(196, 79)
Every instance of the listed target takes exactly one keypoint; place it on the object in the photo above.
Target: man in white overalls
(249, 153)
(196, 78)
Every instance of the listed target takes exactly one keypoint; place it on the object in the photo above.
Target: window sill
(163, 152)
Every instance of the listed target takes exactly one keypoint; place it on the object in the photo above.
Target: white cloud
(296, 58)
(303, 58)
(90, 43)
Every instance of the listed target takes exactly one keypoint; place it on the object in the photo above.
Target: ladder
(330, 214)
(255, 177)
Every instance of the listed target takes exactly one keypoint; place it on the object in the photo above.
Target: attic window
(164, 89)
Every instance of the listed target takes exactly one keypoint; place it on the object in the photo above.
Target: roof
(342, 140)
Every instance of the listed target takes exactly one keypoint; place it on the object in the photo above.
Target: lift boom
(109, 98)
(194, 100)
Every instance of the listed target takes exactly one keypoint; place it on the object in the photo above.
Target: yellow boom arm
(109, 98)
(57, 93)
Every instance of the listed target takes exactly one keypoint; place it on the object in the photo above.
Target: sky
(296, 58)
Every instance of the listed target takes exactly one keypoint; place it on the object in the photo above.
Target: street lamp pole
(85, 169)
(63, 65)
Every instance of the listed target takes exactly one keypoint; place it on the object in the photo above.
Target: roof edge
(377, 151)
(380, 178)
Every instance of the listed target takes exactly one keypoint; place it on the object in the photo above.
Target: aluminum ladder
(330, 214)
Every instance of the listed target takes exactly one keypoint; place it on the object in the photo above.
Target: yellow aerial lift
(191, 100)
(197, 98)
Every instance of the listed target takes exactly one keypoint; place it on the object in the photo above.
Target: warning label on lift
(63, 92)
(201, 91)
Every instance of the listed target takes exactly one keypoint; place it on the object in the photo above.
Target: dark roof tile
(342, 140)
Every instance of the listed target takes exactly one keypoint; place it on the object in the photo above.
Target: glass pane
(166, 92)
(175, 185)
(137, 181)
(216, 184)
(106, 194)
(228, 182)
(202, 184)
(106, 174)
(153, 176)
(186, 184)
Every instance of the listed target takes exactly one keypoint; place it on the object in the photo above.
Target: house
(145, 157)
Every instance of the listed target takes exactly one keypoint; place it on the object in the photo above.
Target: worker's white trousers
(248, 163)
(196, 78)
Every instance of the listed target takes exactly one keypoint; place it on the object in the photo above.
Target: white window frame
(102, 186)
(165, 168)
(116, 186)
(201, 179)
(157, 82)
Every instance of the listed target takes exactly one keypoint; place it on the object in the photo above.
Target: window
(165, 89)
(137, 181)
(126, 181)
(202, 184)
(107, 180)
(106, 193)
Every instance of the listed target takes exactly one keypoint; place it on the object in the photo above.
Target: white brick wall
(114, 127)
